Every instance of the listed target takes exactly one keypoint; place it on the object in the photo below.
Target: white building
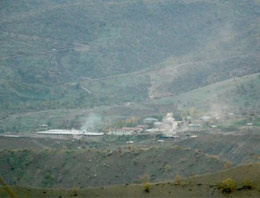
(150, 120)
(68, 133)
(125, 131)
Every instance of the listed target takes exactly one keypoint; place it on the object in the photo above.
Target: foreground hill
(199, 186)
(92, 167)
(234, 148)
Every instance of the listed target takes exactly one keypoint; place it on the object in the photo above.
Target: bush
(227, 186)
(147, 187)
(75, 192)
(177, 180)
(247, 185)
(167, 168)
(228, 164)
(134, 162)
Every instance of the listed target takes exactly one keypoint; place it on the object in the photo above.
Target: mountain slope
(200, 186)
(89, 168)
(48, 46)
(239, 95)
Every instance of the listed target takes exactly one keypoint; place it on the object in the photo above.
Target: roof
(132, 128)
(69, 132)
(150, 119)
(61, 132)
(44, 125)
(93, 134)
(15, 136)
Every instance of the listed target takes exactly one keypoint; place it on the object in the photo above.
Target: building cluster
(167, 127)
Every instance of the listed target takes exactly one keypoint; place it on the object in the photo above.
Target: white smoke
(218, 108)
(92, 122)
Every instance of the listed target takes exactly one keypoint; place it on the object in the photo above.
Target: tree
(147, 187)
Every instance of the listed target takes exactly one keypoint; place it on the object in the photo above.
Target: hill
(98, 167)
(58, 54)
(199, 186)
(237, 149)
(238, 95)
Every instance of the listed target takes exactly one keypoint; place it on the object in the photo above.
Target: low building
(205, 118)
(157, 124)
(68, 133)
(150, 120)
(61, 133)
(125, 131)
(143, 126)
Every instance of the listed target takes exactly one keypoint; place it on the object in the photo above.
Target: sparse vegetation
(178, 180)
(227, 186)
(202, 186)
(247, 185)
(167, 168)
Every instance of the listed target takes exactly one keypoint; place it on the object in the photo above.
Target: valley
(120, 98)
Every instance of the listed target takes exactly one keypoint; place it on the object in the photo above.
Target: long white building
(72, 132)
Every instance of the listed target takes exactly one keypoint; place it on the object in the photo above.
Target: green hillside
(234, 95)
(240, 95)
(53, 51)
(191, 66)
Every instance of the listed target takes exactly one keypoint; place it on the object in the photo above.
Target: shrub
(147, 187)
(177, 180)
(227, 186)
(167, 168)
(191, 180)
(247, 185)
(75, 192)
(228, 164)
(134, 161)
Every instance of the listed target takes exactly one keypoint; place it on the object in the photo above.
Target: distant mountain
(64, 54)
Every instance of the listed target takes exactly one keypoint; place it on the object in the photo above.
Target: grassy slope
(238, 94)
(101, 39)
(200, 186)
(228, 95)
(237, 149)
(91, 167)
